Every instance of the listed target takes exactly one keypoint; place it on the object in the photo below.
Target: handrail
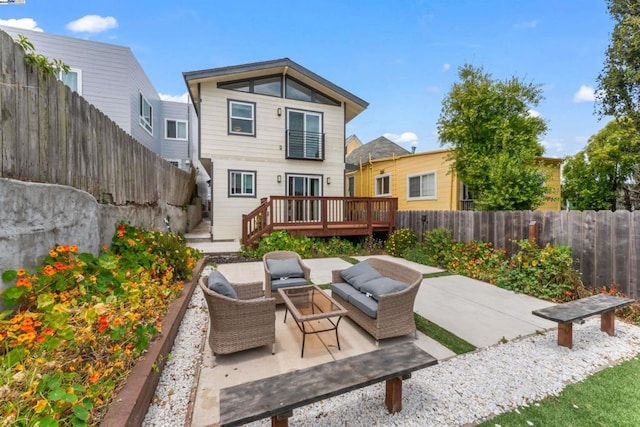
(324, 215)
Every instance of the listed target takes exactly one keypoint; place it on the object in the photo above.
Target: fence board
(604, 244)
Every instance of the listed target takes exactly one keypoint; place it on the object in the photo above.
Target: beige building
(268, 128)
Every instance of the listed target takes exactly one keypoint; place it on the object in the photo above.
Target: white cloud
(92, 24)
(534, 113)
(175, 98)
(527, 24)
(446, 67)
(552, 146)
(24, 23)
(585, 94)
(409, 138)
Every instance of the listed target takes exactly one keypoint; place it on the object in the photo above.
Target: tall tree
(603, 175)
(494, 135)
(619, 81)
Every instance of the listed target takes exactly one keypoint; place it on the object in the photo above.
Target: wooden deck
(320, 217)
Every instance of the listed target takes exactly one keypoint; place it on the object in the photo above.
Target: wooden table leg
(565, 334)
(393, 397)
(281, 420)
(607, 322)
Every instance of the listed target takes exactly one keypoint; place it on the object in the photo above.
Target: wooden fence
(605, 244)
(50, 134)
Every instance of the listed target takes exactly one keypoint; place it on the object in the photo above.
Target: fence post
(533, 231)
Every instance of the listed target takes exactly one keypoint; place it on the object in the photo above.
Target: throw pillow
(284, 268)
(359, 274)
(383, 285)
(218, 283)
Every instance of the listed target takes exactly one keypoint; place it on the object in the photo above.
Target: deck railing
(320, 216)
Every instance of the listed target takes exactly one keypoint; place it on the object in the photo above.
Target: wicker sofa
(241, 323)
(385, 309)
(287, 276)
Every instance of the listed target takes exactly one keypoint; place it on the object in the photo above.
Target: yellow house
(424, 181)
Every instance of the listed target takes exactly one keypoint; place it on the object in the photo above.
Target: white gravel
(463, 390)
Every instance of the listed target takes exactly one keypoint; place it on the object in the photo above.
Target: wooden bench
(278, 396)
(576, 311)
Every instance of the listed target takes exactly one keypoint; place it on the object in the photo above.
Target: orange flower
(93, 279)
(73, 249)
(23, 282)
(60, 249)
(21, 272)
(569, 293)
(48, 331)
(53, 254)
(39, 339)
(102, 323)
(94, 377)
(49, 270)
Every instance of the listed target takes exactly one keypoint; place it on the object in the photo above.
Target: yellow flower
(39, 407)
(53, 254)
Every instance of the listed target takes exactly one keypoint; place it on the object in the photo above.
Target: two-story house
(110, 77)
(421, 181)
(269, 128)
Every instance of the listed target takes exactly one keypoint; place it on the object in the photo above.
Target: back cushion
(382, 286)
(284, 268)
(360, 274)
(218, 283)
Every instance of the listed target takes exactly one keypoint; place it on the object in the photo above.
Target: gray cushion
(218, 283)
(359, 274)
(365, 304)
(343, 290)
(290, 281)
(284, 268)
(381, 286)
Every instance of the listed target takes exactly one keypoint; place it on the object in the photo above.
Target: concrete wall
(34, 217)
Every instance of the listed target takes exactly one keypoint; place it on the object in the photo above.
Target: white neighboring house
(110, 77)
(268, 128)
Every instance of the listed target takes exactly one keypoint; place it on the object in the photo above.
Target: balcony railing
(305, 145)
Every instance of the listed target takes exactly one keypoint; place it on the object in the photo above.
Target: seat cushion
(365, 304)
(381, 286)
(218, 283)
(343, 290)
(284, 268)
(288, 282)
(359, 274)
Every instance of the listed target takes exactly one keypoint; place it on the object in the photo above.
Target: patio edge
(132, 402)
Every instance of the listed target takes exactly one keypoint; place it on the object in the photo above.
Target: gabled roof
(355, 105)
(380, 147)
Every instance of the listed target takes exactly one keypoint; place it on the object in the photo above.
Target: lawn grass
(444, 337)
(610, 397)
(437, 274)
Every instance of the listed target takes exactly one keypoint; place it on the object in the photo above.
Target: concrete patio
(478, 312)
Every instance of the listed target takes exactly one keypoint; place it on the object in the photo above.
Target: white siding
(264, 153)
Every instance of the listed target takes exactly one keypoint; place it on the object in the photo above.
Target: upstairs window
(146, 114)
(175, 129)
(72, 79)
(421, 187)
(305, 139)
(383, 185)
(301, 92)
(242, 118)
(242, 183)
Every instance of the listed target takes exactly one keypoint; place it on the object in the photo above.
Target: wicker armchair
(395, 310)
(281, 255)
(243, 323)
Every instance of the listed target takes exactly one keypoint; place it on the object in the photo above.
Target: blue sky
(400, 56)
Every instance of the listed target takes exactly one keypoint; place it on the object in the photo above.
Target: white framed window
(146, 114)
(242, 183)
(383, 185)
(242, 118)
(421, 186)
(175, 129)
(72, 79)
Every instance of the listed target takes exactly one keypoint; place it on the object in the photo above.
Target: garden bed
(130, 405)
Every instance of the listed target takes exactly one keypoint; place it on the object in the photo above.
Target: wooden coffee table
(308, 303)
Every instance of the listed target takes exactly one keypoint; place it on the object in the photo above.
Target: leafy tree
(494, 137)
(49, 66)
(604, 175)
(619, 81)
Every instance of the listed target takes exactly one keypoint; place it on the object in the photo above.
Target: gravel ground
(463, 390)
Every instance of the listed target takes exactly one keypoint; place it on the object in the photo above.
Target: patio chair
(241, 323)
(283, 269)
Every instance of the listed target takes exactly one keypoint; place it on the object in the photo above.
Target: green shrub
(541, 272)
(306, 247)
(438, 245)
(400, 241)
